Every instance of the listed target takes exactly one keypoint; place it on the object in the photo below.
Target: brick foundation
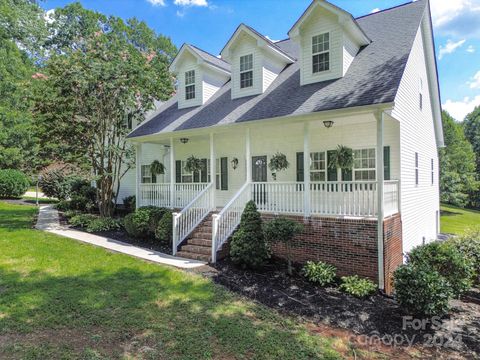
(348, 244)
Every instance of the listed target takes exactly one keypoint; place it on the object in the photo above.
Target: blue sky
(208, 24)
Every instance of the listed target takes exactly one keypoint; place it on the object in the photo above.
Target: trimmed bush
(13, 183)
(421, 290)
(357, 286)
(319, 273)
(103, 224)
(71, 213)
(469, 246)
(283, 230)
(130, 203)
(448, 262)
(143, 222)
(63, 205)
(248, 247)
(82, 220)
(163, 232)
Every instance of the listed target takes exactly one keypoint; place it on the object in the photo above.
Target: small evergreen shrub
(357, 286)
(82, 220)
(63, 205)
(283, 230)
(143, 222)
(320, 273)
(448, 262)
(468, 245)
(130, 203)
(102, 224)
(421, 290)
(248, 248)
(71, 213)
(163, 232)
(13, 183)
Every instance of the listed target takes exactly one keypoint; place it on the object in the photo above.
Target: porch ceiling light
(184, 140)
(328, 123)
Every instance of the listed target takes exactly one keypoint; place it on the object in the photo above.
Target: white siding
(271, 69)
(350, 50)
(211, 83)
(246, 45)
(188, 63)
(419, 204)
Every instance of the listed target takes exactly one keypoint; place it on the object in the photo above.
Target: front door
(259, 175)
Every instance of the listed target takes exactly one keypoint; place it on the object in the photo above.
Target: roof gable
(202, 57)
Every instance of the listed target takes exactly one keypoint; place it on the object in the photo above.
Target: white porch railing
(391, 197)
(344, 198)
(227, 220)
(160, 194)
(192, 215)
(279, 197)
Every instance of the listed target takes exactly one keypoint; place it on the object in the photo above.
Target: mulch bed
(377, 316)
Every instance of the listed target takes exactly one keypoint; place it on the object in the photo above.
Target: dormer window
(321, 53)
(246, 71)
(190, 85)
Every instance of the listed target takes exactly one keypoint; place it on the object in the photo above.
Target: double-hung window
(321, 53)
(364, 165)
(318, 166)
(190, 85)
(246, 71)
(147, 176)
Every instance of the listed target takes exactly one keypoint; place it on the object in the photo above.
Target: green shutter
(332, 174)
(347, 175)
(300, 177)
(178, 171)
(224, 173)
(386, 162)
(204, 178)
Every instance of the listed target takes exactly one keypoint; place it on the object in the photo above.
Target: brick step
(200, 242)
(197, 249)
(193, 256)
(201, 234)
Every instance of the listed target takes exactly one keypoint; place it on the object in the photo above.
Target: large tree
(457, 164)
(100, 71)
(472, 132)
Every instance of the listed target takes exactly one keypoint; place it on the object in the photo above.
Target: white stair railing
(225, 223)
(192, 215)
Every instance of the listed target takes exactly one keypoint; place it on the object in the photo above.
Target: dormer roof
(262, 41)
(345, 18)
(202, 57)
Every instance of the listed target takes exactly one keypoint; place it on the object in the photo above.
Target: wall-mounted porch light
(328, 123)
(184, 140)
(234, 163)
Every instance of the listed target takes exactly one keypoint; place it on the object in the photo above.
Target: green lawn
(60, 299)
(456, 220)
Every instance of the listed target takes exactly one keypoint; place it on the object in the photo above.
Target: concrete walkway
(48, 221)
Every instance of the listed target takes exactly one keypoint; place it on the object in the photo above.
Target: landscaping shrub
(468, 245)
(130, 203)
(61, 181)
(82, 220)
(448, 262)
(13, 183)
(143, 222)
(102, 224)
(163, 232)
(248, 247)
(421, 290)
(283, 230)
(63, 205)
(71, 213)
(357, 286)
(320, 273)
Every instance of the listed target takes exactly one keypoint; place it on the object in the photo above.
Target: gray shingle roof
(373, 78)
(211, 58)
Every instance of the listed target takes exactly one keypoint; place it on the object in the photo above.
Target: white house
(369, 84)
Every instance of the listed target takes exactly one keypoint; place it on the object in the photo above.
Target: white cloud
(460, 109)
(471, 49)
(449, 48)
(191, 2)
(475, 83)
(157, 2)
(374, 11)
(456, 17)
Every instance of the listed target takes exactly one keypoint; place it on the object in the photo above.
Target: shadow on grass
(173, 314)
(16, 217)
(449, 213)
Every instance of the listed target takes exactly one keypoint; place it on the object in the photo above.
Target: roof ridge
(388, 9)
(208, 53)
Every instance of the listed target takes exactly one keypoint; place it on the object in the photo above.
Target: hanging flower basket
(277, 163)
(342, 158)
(157, 168)
(193, 164)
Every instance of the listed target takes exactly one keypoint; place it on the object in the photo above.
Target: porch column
(306, 169)
(248, 156)
(172, 174)
(213, 169)
(138, 168)
(380, 204)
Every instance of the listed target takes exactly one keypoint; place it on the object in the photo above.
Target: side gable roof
(373, 78)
